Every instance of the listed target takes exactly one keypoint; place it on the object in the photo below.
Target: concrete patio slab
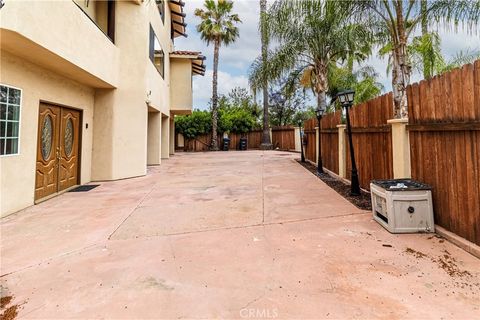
(215, 245)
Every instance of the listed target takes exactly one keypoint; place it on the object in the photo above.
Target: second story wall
(58, 35)
(181, 85)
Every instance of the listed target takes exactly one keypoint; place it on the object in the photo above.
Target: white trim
(19, 121)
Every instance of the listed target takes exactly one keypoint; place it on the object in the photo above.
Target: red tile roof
(187, 53)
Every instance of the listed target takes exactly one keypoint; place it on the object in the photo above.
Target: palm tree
(266, 142)
(218, 25)
(461, 58)
(311, 35)
(395, 22)
(363, 80)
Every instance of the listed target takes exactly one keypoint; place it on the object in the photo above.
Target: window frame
(151, 51)
(161, 10)
(111, 20)
(19, 121)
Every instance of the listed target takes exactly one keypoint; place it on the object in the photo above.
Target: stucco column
(316, 145)
(172, 135)
(297, 139)
(400, 148)
(342, 151)
(165, 147)
(271, 136)
(154, 138)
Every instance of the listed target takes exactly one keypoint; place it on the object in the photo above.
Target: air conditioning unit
(402, 205)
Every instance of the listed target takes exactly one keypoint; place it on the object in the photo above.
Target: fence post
(317, 136)
(342, 151)
(400, 148)
(298, 139)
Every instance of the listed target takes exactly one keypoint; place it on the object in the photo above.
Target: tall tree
(266, 141)
(395, 22)
(311, 35)
(362, 79)
(218, 25)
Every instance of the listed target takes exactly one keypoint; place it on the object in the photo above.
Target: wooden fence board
(444, 128)
(283, 138)
(311, 146)
(372, 140)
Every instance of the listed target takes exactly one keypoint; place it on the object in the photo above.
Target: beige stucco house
(89, 91)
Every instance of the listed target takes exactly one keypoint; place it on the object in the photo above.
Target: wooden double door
(57, 150)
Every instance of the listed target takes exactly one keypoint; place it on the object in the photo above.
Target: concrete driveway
(226, 235)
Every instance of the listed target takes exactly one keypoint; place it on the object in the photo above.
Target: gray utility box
(402, 205)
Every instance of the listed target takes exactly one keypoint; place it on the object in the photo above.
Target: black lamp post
(346, 100)
(301, 140)
(320, 112)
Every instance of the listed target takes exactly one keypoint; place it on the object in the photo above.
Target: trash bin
(402, 205)
(226, 144)
(243, 143)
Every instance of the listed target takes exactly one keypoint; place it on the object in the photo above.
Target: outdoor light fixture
(301, 140)
(346, 97)
(320, 112)
(346, 100)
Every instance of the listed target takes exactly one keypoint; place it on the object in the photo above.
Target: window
(10, 100)
(161, 9)
(156, 54)
(101, 13)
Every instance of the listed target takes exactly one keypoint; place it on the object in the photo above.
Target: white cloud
(236, 59)
(202, 86)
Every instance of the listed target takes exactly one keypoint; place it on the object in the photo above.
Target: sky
(235, 60)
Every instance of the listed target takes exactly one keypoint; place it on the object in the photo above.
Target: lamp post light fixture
(320, 112)
(346, 100)
(301, 140)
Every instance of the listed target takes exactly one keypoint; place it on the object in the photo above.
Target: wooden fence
(310, 139)
(444, 127)
(372, 139)
(329, 143)
(283, 138)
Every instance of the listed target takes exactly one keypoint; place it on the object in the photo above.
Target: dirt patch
(449, 264)
(4, 301)
(445, 262)
(8, 312)
(363, 201)
(415, 253)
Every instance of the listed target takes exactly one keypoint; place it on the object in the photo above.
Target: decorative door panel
(57, 150)
(68, 161)
(46, 179)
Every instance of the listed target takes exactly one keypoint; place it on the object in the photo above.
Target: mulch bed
(362, 202)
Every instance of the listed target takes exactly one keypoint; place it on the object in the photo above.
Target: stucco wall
(64, 30)
(181, 85)
(69, 61)
(121, 115)
(38, 84)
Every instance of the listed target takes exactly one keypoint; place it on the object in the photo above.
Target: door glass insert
(69, 137)
(47, 129)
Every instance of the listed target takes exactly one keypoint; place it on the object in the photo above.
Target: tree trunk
(214, 143)
(321, 86)
(266, 141)
(401, 68)
(427, 60)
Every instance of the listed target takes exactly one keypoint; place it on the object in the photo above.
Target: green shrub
(194, 125)
(241, 121)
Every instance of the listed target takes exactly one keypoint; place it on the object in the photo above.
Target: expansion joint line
(263, 188)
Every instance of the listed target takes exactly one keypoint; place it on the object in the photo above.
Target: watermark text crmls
(259, 313)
